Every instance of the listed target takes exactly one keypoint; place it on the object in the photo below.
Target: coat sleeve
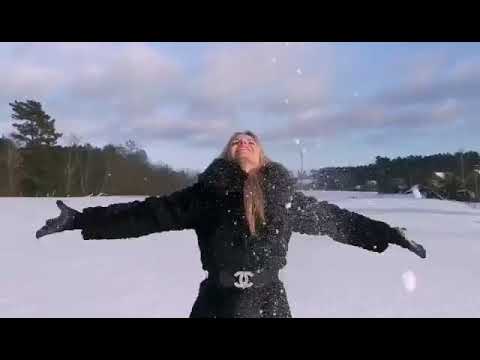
(177, 211)
(312, 217)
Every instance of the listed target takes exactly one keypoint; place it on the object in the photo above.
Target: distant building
(305, 184)
(399, 185)
(465, 195)
(371, 185)
(439, 177)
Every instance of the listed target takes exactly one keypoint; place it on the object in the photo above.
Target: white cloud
(21, 80)
(466, 69)
(114, 91)
(244, 75)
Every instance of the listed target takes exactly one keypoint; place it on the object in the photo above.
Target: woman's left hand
(410, 244)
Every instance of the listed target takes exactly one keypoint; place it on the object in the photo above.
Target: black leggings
(269, 301)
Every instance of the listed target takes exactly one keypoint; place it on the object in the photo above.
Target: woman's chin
(243, 158)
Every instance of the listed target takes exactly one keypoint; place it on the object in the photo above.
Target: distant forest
(32, 164)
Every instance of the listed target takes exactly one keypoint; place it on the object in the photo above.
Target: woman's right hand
(65, 221)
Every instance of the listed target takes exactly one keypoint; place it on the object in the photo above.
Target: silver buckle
(243, 279)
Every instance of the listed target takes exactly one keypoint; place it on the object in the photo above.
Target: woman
(243, 209)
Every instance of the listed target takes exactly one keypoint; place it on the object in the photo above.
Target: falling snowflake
(409, 281)
(276, 231)
(299, 71)
(288, 205)
(274, 60)
(286, 101)
(297, 141)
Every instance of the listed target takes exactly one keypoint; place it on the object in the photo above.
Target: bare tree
(13, 163)
(73, 141)
(131, 146)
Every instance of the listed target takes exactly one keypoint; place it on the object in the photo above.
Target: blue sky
(345, 102)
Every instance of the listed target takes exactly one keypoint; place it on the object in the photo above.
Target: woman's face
(245, 148)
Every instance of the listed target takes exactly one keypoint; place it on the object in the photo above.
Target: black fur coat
(213, 208)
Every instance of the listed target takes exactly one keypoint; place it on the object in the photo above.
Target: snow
(158, 275)
(416, 192)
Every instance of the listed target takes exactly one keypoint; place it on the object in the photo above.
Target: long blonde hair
(253, 197)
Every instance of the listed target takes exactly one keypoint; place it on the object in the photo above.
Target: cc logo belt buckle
(243, 279)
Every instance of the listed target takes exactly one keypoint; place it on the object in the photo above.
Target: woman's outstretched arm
(312, 217)
(177, 211)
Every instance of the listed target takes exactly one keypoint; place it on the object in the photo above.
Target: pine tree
(37, 127)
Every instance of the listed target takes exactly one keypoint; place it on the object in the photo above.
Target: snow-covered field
(62, 275)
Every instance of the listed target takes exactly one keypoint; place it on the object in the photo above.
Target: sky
(343, 103)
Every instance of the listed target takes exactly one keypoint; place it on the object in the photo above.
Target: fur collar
(223, 175)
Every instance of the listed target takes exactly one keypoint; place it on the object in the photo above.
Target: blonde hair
(253, 197)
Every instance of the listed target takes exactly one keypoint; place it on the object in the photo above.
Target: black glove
(67, 220)
(400, 239)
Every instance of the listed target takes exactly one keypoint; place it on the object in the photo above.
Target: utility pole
(462, 168)
(301, 161)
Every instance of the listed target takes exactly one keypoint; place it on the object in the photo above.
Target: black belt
(243, 279)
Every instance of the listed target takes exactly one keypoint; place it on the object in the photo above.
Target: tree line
(32, 164)
(453, 176)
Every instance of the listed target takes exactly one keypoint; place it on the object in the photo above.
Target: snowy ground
(62, 275)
